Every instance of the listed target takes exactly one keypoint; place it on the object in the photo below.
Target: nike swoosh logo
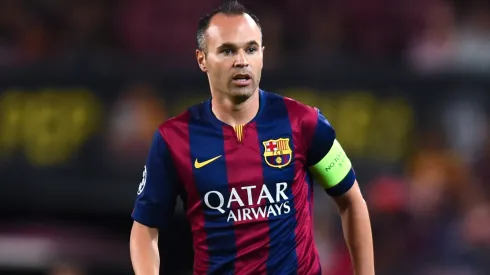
(198, 164)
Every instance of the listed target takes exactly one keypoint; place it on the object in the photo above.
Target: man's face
(234, 57)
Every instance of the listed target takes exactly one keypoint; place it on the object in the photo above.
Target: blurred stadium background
(84, 83)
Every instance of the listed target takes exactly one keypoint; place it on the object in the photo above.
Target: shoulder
(176, 127)
(194, 112)
(175, 123)
(307, 114)
(301, 114)
(298, 111)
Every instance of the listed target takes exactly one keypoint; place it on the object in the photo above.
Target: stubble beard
(241, 94)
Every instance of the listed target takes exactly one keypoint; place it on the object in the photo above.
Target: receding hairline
(249, 19)
(230, 8)
(228, 15)
(212, 23)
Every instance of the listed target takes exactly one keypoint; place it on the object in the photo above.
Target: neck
(235, 112)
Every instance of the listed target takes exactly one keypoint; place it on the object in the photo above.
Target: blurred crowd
(431, 217)
(428, 35)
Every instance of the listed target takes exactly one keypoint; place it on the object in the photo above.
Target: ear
(201, 60)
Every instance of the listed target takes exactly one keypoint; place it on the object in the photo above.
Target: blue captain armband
(334, 171)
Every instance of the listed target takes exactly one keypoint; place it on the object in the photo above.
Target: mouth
(242, 79)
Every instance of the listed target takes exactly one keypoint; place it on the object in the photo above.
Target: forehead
(236, 29)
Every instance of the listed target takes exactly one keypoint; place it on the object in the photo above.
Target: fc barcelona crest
(277, 152)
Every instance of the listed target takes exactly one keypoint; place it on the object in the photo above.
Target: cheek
(219, 66)
(219, 73)
(258, 61)
(257, 67)
(213, 69)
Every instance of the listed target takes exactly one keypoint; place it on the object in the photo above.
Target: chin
(244, 90)
(241, 94)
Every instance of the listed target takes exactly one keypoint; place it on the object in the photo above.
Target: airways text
(250, 207)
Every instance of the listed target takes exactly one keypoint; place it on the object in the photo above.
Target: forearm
(358, 236)
(144, 253)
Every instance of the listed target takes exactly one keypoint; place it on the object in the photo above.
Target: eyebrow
(233, 45)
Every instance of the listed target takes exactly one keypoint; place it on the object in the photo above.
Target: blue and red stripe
(220, 243)
(282, 253)
(251, 245)
(276, 245)
(176, 132)
(304, 215)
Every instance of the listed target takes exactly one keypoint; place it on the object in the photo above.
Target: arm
(153, 208)
(357, 229)
(144, 249)
(331, 167)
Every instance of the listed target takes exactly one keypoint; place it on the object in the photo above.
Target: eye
(251, 50)
(227, 51)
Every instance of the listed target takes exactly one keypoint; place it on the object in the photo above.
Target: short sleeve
(157, 192)
(326, 159)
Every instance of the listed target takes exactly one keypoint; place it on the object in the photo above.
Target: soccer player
(243, 163)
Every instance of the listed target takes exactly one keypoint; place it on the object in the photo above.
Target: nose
(241, 60)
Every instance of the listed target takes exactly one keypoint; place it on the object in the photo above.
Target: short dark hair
(230, 7)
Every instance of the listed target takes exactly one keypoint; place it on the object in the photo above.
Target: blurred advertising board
(84, 137)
